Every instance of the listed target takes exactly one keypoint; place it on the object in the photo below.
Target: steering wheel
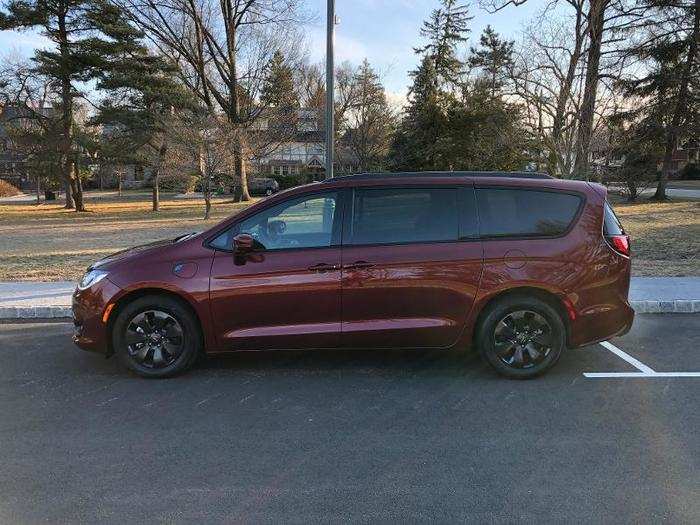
(275, 229)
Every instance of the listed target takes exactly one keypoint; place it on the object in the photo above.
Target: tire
(156, 336)
(521, 337)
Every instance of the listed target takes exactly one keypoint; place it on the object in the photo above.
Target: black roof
(421, 174)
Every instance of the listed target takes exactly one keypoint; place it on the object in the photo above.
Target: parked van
(520, 265)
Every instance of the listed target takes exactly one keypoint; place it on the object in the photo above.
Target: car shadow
(454, 362)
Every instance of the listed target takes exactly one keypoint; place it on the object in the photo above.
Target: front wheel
(156, 336)
(521, 337)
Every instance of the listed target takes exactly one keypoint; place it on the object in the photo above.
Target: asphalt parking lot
(361, 436)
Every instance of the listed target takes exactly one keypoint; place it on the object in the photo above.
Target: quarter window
(611, 224)
(397, 215)
(516, 212)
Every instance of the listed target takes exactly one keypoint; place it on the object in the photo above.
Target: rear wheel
(521, 337)
(156, 336)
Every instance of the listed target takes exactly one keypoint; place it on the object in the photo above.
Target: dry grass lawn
(665, 236)
(49, 243)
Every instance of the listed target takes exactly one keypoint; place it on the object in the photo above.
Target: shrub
(7, 189)
(690, 172)
(180, 183)
(289, 181)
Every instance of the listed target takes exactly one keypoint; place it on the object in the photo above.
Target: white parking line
(645, 372)
(603, 375)
(631, 360)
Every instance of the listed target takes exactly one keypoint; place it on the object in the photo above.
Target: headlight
(90, 278)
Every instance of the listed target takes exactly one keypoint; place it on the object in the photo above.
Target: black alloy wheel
(156, 336)
(521, 336)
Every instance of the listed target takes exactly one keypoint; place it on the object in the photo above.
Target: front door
(286, 293)
(411, 266)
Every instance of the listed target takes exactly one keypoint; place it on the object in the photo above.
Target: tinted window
(611, 224)
(304, 222)
(392, 215)
(506, 212)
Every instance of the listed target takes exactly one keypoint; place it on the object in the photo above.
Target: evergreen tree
(486, 132)
(278, 89)
(88, 36)
(417, 144)
(371, 119)
(143, 94)
(445, 29)
(669, 86)
(494, 57)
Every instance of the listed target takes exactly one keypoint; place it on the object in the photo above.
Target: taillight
(620, 243)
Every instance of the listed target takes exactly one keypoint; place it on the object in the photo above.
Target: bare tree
(546, 77)
(223, 49)
(203, 144)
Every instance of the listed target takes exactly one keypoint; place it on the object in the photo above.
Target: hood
(142, 249)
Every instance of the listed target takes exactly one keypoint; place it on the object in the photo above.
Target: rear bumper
(90, 331)
(601, 324)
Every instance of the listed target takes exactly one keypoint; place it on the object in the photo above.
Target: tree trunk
(207, 205)
(77, 189)
(680, 108)
(596, 22)
(241, 172)
(38, 190)
(155, 192)
(565, 93)
(67, 120)
(234, 110)
(156, 175)
(204, 177)
(69, 194)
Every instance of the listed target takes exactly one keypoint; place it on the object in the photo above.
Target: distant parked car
(520, 265)
(259, 186)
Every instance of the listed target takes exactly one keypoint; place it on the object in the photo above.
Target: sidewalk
(34, 300)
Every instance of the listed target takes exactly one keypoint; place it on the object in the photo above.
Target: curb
(35, 312)
(64, 312)
(666, 307)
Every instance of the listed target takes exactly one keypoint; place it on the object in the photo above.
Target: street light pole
(330, 124)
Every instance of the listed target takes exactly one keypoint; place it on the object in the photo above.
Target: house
(13, 158)
(302, 151)
(686, 153)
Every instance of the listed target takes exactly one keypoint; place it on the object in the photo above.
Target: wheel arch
(555, 300)
(137, 293)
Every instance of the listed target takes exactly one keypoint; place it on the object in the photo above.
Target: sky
(386, 31)
(383, 31)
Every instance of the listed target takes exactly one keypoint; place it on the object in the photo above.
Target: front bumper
(91, 332)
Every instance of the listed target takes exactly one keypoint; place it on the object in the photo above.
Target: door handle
(323, 267)
(358, 265)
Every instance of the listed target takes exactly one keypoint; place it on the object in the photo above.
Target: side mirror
(243, 244)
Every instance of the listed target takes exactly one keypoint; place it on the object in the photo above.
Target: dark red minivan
(521, 264)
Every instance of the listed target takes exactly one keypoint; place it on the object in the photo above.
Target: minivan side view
(519, 265)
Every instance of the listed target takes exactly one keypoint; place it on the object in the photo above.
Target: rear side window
(403, 215)
(506, 212)
(611, 224)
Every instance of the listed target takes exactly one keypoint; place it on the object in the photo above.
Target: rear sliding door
(411, 264)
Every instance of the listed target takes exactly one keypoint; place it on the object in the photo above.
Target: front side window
(302, 222)
(520, 212)
(400, 215)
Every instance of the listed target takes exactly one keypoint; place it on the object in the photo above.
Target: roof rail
(419, 174)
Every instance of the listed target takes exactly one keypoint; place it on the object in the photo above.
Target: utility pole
(330, 124)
